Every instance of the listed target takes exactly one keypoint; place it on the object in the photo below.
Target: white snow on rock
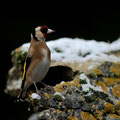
(71, 50)
(87, 86)
(35, 96)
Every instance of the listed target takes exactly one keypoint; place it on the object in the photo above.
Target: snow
(87, 86)
(71, 50)
(58, 93)
(35, 96)
(15, 84)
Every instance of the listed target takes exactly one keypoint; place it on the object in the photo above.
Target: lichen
(46, 95)
(114, 116)
(87, 116)
(115, 69)
(111, 81)
(92, 75)
(109, 108)
(72, 118)
(97, 71)
(58, 111)
(103, 86)
(116, 91)
(58, 97)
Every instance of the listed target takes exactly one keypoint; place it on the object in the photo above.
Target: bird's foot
(39, 92)
(47, 86)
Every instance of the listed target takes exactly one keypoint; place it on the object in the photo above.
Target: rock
(81, 91)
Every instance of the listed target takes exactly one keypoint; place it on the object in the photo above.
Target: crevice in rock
(58, 74)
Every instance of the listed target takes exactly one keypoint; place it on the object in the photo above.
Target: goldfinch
(37, 61)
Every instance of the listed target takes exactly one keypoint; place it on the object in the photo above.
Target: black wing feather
(26, 65)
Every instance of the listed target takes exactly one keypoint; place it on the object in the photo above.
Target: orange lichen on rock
(69, 111)
(102, 85)
(109, 108)
(116, 91)
(72, 118)
(97, 71)
(87, 116)
(118, 108)
(58, 111)
(46, 95)
(111, 81)
(115, 69)
(114, 116)
(99, 114)
(76, 82)
(60, 87)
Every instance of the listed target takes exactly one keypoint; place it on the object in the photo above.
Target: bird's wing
(26, 66)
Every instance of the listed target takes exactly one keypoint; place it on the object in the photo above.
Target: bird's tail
(22, 95)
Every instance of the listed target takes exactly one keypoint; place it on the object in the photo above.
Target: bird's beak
(50, 31)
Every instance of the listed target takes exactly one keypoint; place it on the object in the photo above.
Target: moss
(83, 81)
(20, 57)
(116, 91)
(58, 50)
(58, 97)
(92, 75)
(90, 98)
(87, 116)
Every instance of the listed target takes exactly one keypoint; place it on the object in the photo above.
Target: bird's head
(41, 32)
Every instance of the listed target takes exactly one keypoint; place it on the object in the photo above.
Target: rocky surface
(79, 92)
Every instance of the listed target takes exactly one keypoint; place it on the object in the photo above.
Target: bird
(37, 61)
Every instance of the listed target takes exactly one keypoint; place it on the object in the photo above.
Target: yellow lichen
(116, 91)
(87, 116)
(58, 111)
(103, 86)
(114, 116)
(69, 111)
(109, 108)
(97, 71)
(115, 69)
(46, 95)
(111, 81)
(60, 87)
(72, 118)
(76, 82)
(118, 108)
(99, 114)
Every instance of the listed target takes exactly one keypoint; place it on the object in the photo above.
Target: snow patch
(58, 93)
(35, 96)
(87, 86)
(80, 50)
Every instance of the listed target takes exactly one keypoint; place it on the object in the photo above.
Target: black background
(99, 21)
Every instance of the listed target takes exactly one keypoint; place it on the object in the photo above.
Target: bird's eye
(44, 30)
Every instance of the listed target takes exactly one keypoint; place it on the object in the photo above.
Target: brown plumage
(37, 61)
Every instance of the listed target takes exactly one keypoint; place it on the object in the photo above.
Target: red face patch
(44, 30)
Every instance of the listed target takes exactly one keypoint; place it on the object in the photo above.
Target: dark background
(99, 21)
